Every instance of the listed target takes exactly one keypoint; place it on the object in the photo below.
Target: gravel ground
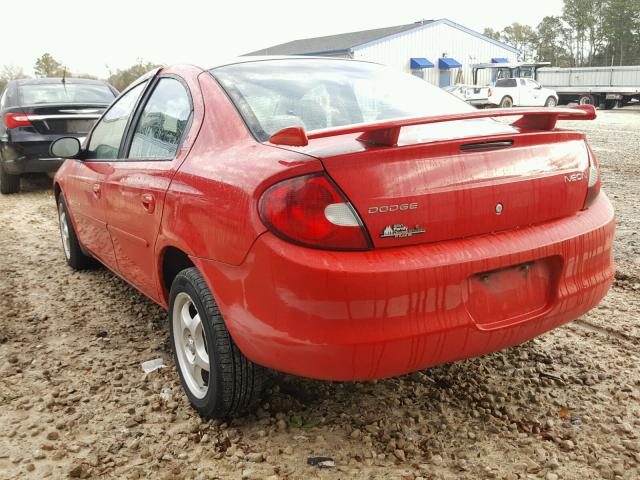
(75, 402)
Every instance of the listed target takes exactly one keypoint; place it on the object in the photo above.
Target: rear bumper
(29, 153)
(478, 102)
(365, 315)
(21, 165)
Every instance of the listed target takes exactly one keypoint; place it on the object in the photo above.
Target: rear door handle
(96, 190)
(148, 202)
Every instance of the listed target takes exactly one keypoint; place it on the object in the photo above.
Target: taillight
(13, 120)
(593, 179)
(311, 211)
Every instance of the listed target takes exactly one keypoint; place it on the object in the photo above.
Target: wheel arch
(56, 191)
(506, 96)
(172, 260)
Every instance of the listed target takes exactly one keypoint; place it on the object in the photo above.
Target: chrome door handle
(96, 190)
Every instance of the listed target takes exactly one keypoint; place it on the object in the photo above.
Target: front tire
(551, 102)
(506, 102)
(73, 253)
(217, 378)
(8, 183)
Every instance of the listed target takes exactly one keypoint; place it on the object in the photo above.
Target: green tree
(522, 37)
(122, 78)
(621, 31)
(586, 20)
(47, 66)
(554, 42)
(491, 33)
(10, 72)
(589, 32)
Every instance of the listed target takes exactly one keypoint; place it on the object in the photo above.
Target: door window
(107, 135)
(162, 123)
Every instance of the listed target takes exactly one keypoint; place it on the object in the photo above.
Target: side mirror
(65, 147)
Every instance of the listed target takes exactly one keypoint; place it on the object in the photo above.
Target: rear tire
(610, 104)
(586, 100)
(8, 183)
(551, 102)
(506, 102)
(232, 384)
(71, 248)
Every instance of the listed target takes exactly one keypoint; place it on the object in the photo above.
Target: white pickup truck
(520, 92)
(472, 94)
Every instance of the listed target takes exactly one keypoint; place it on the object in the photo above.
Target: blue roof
(419, 62)
(499, 60)
(446, 62)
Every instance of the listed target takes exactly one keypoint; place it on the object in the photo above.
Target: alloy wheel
(191, 345)
(64, 231)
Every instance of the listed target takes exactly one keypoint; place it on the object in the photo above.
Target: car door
(137, 182)
(537, 97)
(523, 98)
(86, 181)
(529, 94)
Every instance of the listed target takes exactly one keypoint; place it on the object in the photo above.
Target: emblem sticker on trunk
(400, 231)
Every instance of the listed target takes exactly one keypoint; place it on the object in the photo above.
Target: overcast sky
(88, 36)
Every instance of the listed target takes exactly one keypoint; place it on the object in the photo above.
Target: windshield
(275, 94)
(36, 94)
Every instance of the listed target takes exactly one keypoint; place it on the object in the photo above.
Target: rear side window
(38, 94)
(163, 122)
(8, 98)
(506, 82)
(107, 134)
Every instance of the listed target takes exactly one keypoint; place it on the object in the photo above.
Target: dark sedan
(36, 112)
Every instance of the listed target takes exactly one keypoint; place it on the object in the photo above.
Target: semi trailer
(608, 87)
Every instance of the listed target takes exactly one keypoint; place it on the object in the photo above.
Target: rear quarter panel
(211, 206)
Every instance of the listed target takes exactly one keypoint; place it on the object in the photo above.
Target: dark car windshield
(506, 82)
(36, 94)
(315, 94)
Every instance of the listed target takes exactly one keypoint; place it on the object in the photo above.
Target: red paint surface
(475, 281)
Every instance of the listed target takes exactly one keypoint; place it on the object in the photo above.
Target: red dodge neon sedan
(333, 219)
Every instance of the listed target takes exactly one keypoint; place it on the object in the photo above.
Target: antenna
(64, 76)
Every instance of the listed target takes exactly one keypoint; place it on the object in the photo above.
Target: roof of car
(266, 58)
(53, 80)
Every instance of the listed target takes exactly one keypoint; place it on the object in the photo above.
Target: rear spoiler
(386, 133)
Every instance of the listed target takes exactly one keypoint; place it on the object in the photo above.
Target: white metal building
(440, 51)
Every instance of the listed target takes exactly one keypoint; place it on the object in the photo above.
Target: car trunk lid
(76, 119)
(428, 179)
(449, 189)
(437, 180)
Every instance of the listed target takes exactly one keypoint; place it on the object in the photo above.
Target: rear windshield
(275, 94)
(506, 82)
(36, 94)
